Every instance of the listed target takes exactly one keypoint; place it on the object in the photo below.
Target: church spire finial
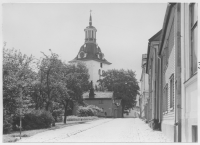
(90, 18)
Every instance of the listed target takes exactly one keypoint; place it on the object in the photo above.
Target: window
(163, 69)
(193, 41)
(172, 91)
(99, 71)
(101, 65)
(163, 103)
(194, 133)
(165, 98)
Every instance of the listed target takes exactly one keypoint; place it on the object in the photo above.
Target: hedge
(36, 119)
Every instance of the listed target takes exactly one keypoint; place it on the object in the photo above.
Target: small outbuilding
(104, 100)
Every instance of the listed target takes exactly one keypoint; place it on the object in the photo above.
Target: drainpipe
(155, 90)
(160, 89)
(178, 70)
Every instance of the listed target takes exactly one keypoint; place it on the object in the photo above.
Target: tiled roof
(99, 95)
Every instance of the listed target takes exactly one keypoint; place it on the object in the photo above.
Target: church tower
(91, 54)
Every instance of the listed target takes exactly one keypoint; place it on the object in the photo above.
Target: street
(102, 130)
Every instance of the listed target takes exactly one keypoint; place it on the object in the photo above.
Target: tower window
(101, 65)
(99, 71)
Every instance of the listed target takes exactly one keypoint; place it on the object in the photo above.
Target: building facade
(91, 54)
(189, 90)
(152, 70)
(168, 61)
(144, 94)
(104, 100)
(172, 70)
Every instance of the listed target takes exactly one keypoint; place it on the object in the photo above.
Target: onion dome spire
(90, 22)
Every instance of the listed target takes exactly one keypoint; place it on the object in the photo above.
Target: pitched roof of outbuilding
(99, 95)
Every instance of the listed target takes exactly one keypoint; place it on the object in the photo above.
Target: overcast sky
(123, 30)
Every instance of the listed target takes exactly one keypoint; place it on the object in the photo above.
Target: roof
(164, 28)
(91, 51)
(99, 95)
(90, 27)
(155, 37)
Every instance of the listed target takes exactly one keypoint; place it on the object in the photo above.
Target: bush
(7, 122)
(36, 119)
(90, 110)
(57, 115)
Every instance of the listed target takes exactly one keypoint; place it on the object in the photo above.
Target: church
(91, 54)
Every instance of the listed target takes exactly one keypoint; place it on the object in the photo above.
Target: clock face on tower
(82, 54)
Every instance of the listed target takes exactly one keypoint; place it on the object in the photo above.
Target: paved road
(103, 130)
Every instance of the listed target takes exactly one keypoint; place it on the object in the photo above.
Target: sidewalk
(14, 136)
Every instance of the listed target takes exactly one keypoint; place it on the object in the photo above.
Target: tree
(77, 82)
(17, 77)
(124, 86)
(48, 77)
(73, 81)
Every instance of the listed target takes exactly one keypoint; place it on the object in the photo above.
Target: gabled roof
(156, 37)
(164, 28)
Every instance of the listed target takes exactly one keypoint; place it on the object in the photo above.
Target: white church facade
(91, 54)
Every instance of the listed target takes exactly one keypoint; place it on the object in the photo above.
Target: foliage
(7, 122)
(57, 111)
(77, 80)
(53, 85)
(49, 76)
(90, 110)
(35, 119)
(17, 77)
(124, 86)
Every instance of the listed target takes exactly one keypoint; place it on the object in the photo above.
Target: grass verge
(15, 136)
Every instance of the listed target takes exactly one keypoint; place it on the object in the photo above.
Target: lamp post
(20, 115)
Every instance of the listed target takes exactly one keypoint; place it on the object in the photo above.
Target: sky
(123, 29)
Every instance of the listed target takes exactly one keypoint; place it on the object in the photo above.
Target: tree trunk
(122, 111)
(123, 106)
(47, 106)
(65, 114)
